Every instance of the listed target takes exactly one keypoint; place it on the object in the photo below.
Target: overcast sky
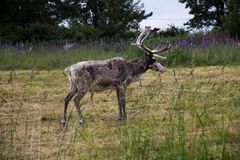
(165, 12)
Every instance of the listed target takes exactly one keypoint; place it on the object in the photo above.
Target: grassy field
(185, 113)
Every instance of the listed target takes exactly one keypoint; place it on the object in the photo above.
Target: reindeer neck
(140, 65)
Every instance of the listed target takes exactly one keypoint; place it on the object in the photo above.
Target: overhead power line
(167, 19)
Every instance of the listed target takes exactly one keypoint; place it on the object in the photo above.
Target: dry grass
(192, 108)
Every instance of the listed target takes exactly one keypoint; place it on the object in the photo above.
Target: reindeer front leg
(121, 102)
(77, 100)
(67, 99)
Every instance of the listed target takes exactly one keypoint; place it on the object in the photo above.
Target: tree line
(223, 15)
(82, 20)
(51, 20)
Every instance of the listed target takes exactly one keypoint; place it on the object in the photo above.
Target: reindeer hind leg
(67, 99)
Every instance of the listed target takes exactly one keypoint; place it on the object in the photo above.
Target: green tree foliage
(206, 12)
(108, 18)
(232, 17)
(222, 14)
(40, 20)
(28, 20)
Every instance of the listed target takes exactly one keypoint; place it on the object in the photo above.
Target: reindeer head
(152, 55)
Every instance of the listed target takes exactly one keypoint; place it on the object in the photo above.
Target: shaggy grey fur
(95, 76)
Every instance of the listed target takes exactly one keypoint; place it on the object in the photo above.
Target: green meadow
(185, 113)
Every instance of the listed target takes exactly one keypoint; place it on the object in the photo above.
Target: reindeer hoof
(63, 122)
(82, 123)
(121, 118)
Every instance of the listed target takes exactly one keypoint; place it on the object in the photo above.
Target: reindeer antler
(160, 48)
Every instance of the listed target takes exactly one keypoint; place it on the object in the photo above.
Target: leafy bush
(179, 57)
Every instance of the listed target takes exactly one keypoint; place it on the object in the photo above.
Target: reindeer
(95, 76)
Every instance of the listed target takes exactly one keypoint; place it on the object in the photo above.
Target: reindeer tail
(66, 71)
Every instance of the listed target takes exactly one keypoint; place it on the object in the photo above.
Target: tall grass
(185, 113)
(195, 126)
(193, 51)
(217, 55)
(10, 60)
